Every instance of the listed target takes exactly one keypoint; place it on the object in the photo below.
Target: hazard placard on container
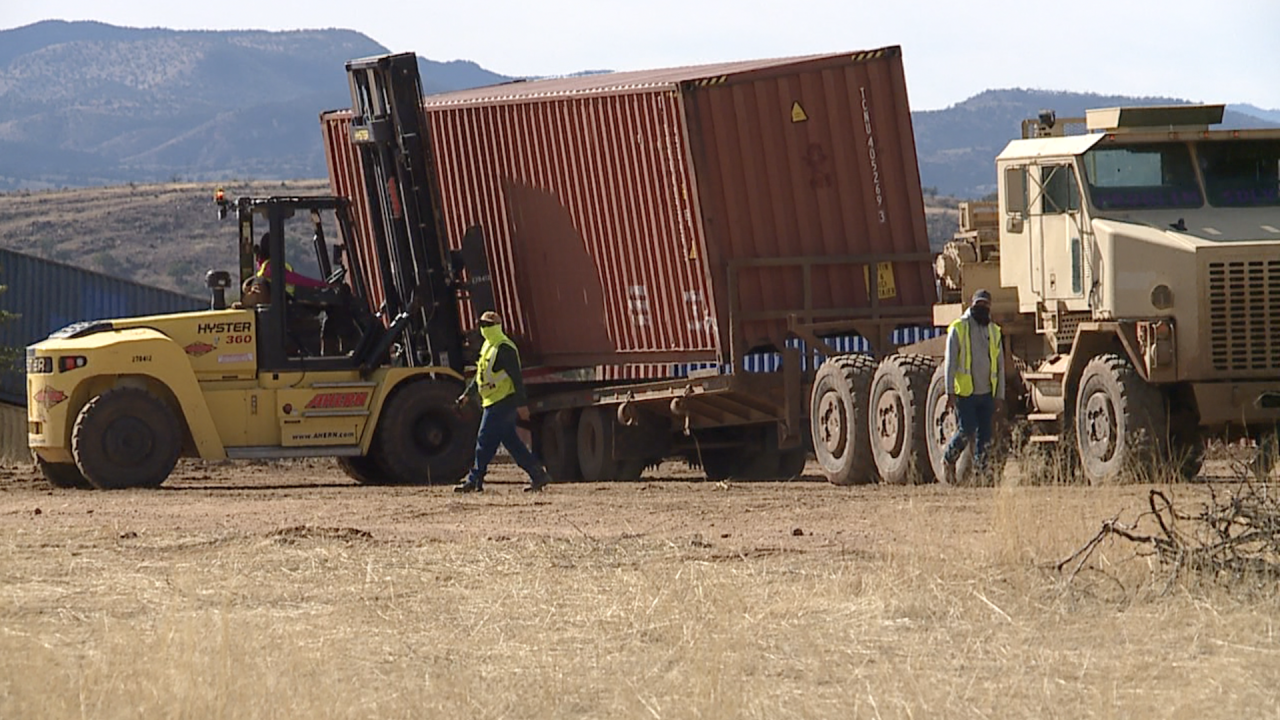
(884, 277)
(797, 113)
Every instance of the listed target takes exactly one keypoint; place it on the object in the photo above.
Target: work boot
(536, 484)
(469, 486)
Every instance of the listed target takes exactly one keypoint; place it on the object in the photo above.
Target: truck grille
(1244, 315)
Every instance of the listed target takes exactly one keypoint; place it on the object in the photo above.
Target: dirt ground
(670, 503)
(266, 590)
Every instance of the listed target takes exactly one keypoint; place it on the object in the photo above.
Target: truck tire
(363, 470)
(791, 463)
(898, 419)
(62, 475)
(422, 438)
(757, 458)
(941, 425)
(596, 430)
(838, 419)
(1120, 419)
(126, 437)
(1187, 449)
(557, 445)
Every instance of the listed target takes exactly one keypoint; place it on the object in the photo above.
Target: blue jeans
(498, 427)
(973, 416)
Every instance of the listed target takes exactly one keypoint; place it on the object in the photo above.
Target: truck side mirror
(1015, 198)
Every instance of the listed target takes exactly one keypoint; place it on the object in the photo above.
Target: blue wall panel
(49, 296)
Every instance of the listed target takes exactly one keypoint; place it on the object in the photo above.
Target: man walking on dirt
(974, 381)
(500, 386)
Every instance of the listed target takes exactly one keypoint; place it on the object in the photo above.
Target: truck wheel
(596, 431)
(126, 437)
(1120, 419)
(62, 475)
(899, 432)
(421, 437)
(791, 463)
(941, 425)
(557, 441)
(363, 470)
(838, 419)
(755, 459)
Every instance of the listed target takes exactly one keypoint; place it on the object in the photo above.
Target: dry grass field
(285, 591)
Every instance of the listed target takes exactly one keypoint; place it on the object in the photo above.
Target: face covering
(492, 333)
(981, 314)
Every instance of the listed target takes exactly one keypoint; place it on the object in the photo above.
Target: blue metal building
(48, 296)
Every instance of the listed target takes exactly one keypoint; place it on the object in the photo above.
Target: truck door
(1059, 224)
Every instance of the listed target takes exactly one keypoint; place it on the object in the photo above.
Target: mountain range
(85, 103)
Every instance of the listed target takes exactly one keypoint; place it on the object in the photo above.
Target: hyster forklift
(290, 370)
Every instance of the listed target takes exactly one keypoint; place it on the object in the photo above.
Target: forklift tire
(63, 475)
(422, 439)
(363, 469)
(126, 437)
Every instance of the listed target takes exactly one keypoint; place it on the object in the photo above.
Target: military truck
(1135, 269)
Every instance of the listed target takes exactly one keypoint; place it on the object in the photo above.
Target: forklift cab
(301, 327)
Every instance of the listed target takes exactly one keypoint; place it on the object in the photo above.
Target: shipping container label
(884, 280)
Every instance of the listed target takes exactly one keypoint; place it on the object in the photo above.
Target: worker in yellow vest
(262, 255)
(500, 386)
(975, 381)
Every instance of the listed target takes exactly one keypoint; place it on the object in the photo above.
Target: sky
(1216, 51)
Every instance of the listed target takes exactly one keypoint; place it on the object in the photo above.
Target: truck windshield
(1241, 173)
(1142, 177)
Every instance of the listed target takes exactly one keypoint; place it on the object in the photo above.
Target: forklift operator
(311, 328)
(292, 279)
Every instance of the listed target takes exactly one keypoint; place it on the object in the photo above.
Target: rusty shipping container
(684, 215)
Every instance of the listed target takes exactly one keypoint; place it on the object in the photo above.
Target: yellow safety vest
(964, 375)
(494, 387)
(264, 272)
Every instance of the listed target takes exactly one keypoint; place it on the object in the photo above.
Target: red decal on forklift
(331, 401)
(198, 348)
(49, 397)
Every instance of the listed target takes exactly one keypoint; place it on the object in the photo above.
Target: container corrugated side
(346, 179)
(48, 296)
(587, 206)
(803, 168)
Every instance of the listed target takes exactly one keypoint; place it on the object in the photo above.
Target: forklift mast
(409, 237)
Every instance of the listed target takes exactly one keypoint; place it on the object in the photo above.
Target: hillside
(166, 235)
(86, 103)
(957, 146)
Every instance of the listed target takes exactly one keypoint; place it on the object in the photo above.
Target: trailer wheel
(126, 437)
(557, 441)
(838, 419)
(941, 424)
(422, 438)
(62, 475)
(791, 463)
(596, 432)
(363, 470)
(1120, 419)
(899, 419)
